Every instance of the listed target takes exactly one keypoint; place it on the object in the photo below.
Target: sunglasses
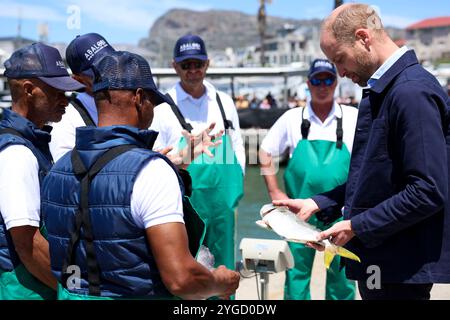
(188, 65)
(327, 82)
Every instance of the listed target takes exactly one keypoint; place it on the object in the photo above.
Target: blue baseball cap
(83, 51)
(321, 65)
(123, 70)
(189, 47)
(42, 62)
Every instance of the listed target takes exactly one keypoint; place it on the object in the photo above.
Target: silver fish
(289, 226)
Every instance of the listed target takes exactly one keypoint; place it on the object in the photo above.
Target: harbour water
(255, 196)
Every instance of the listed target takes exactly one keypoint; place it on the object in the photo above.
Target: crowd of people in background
(268, 102)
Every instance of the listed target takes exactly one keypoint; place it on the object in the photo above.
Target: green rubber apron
(20, 284)
(217, 187)
(316, 166)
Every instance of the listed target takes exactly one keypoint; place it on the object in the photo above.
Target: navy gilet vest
(127, 267)
(37, 141)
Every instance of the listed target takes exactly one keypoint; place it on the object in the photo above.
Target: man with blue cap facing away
(217, 182)
(37, 78)
(319, 138)
(114, 208)
(81, 54)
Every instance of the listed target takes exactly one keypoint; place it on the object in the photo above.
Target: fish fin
(294, 240)
(328, 257)
(262, 224)
(347, 254)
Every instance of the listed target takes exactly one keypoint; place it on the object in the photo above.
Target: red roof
(430, 23)
(400, 42)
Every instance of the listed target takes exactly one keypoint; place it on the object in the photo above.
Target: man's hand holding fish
(339, 234)
(304, 208)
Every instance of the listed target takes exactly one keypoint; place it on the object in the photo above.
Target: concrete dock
(248, 291)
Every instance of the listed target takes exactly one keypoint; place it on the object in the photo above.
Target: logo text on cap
(190, 46)
(325, 64)
(90, 53)
(60, 64)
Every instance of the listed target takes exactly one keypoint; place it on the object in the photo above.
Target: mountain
(218, 28)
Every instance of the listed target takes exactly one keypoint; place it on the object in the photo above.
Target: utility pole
(262, 27)
(18, 40)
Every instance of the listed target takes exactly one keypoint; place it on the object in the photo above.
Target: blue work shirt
(89, 104)
(396, 195)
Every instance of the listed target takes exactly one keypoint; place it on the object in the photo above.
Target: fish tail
(331, 251)
(347, 254)
(328, 257)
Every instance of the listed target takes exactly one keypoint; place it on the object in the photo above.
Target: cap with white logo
(84, 50)
(189, 47)
(42, 62)
(321, 65)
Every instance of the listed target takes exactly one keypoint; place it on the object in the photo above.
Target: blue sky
(128, 21)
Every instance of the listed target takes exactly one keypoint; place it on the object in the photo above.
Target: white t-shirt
(286, 132)
(156, 197)
(151, 203)
(20, 199)
(200, 116)
(63, 133)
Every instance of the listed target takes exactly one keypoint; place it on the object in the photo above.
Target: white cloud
(25, 11)
(129, 15)
(388, 20)
(396, 21)
(316, 12)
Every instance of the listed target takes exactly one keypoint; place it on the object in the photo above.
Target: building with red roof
(430, 38)
(431, 23)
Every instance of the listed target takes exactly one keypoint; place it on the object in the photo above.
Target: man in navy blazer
(396, 209)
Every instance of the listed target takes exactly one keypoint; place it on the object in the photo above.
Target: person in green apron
(38, 80)
(217, 180)
(319, 138)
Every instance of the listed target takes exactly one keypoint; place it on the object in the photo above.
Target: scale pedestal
(264, 285)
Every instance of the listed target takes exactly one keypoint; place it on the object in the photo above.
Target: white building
(293, 46)
(7, 46)
(430, 38)
(148, 55)
(10, 44)
(289, 46)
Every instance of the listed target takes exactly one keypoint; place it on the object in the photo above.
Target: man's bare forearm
(33, 251)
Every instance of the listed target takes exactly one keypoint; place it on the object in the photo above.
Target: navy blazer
(397, 191)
